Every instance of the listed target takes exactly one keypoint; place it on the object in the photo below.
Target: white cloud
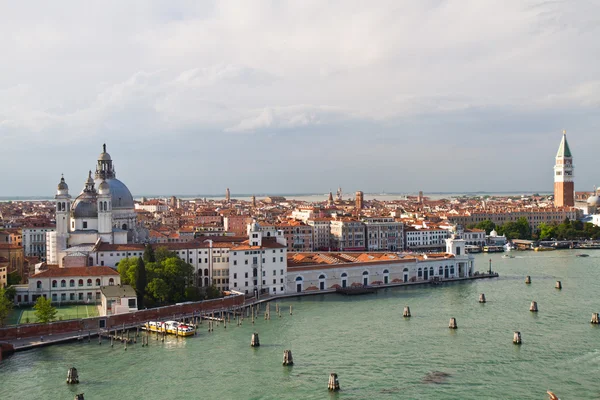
(151, 70)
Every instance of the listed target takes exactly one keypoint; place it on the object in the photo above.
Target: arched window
(344, 274)
(72, 283)
(452, 270)
(205, 281)
(366, 273)
(101, 207)
(97, 281)
(63, 283)
(420, 272)
(385, 271)
(64, 206)
(441, 270)
(54, 284)
(321, 276)
(39, 284)
(298, 279)
(322, 282)
(124, 227)
(58, 206)
(111, 282)
(105, 206)
(80, 283)
(89, 282)
(206, 271)
(430, 271)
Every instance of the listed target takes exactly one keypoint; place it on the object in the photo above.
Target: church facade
(103, 211)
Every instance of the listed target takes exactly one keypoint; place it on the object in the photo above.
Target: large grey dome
(85, 206)
(121, 196)
(593, 201)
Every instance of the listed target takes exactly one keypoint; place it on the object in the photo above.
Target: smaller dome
(63, 185)
(493, 233)
(593, 201)
(104, 188)
(85, 207)
(104, 156)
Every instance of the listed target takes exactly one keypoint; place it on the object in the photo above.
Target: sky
(192, 97)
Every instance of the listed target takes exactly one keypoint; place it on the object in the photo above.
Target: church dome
(121, 198)
(104, 188)
(85, 206)
(593, 201)
(493, 233)
(104, 157)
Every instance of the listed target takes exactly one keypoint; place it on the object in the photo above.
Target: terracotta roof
(76, 271)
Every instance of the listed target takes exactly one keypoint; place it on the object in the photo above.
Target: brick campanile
(564, 187)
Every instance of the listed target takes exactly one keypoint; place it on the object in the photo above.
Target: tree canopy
(6, 305)
(162, 281)
(44, 310)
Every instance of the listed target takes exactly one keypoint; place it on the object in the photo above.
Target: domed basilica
(102, 212)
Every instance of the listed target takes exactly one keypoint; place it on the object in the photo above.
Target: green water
(376, 353)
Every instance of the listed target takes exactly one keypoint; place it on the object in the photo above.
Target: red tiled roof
(76, 271)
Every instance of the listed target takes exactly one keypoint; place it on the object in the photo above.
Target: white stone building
(322, 271)
(67, 285)
(347, 234)
(425, 239)
(260, 265)
(34, 241)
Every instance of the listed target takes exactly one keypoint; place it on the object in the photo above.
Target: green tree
(6, 306)
(127, 270)
(162, 253)
(149, 255)
(13, 278)
(158, 289)
(212, 292)
(547, 231)
(141, 281)
(486, 225)
(44, 310)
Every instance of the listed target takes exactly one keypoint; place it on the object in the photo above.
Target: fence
(116, 321)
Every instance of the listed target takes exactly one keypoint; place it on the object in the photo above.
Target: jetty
(355, 290)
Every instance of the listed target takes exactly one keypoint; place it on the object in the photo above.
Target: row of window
(63, 283)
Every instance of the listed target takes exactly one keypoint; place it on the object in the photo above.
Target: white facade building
(315, 271)
(259, 266)
(425, 239)
(67, 285)
(34, 241)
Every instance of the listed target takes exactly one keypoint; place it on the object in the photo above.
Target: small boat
(172, 327)
(543, 248)
(552, 395)
(582, 255)
(508, 256)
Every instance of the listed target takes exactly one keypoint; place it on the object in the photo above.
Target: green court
(27, 315)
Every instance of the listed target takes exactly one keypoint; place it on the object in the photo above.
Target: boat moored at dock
(172, 327)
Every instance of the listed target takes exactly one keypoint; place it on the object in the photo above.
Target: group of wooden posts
(533, 308)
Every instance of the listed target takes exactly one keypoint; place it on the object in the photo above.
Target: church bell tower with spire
(564, 186)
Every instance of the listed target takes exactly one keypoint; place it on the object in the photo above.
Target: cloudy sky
(299, 96)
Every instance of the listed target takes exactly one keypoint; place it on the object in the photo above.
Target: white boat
(508, 247)
(507, 256)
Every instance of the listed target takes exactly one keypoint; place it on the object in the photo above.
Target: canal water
(364, 339)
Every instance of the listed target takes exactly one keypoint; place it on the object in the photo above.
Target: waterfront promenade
(49, 338)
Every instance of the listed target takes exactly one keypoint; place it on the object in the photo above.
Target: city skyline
(280, 98)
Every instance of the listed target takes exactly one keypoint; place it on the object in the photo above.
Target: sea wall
(116, 321)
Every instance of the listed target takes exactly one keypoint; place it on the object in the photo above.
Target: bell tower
(564, 186)
(63, 207)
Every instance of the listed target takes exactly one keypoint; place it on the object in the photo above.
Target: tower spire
(564, 187)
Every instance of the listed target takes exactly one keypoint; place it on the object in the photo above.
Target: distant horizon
(290, 195)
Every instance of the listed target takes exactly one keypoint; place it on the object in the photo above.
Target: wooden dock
(356, 290)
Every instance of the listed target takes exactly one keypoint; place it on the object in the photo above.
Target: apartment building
(384, 234)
